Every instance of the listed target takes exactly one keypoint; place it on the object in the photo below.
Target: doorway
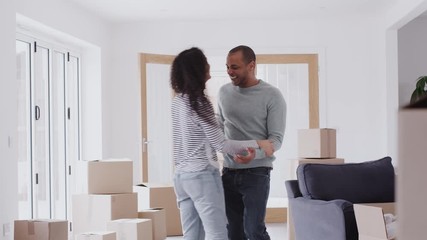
(296, 75)
(48, 127)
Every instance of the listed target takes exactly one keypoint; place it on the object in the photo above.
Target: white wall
(412, 52)
(8, 130)
(401, 14)
(353, 88)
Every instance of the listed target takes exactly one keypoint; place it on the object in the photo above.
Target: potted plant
(420, 89)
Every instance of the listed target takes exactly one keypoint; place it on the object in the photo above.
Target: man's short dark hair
(247, 52)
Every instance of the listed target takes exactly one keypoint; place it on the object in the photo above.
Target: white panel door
(40, 133)
(156, 128)
(23, 72)
(159, 125)
(72, 126)
(57, 136)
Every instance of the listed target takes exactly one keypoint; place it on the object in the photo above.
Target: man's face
(237, 69)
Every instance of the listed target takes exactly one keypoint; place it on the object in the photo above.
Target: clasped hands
(249, 154)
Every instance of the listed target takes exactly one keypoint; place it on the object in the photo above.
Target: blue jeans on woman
(246, 194)
(200, 198)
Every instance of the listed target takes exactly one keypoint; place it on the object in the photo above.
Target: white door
(40, 134)
(23, 50)
(48, 96)
(156, 98)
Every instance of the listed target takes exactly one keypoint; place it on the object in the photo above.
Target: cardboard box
(317, 143)
(152, 195)
(106, 176)
(107, 235)
(370, 221)
(132, 229)
(91, 212)
(158, 218)
(41, 229)
(411, 173)
(296, 162)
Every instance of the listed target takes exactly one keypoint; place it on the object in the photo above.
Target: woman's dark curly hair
(188, 76)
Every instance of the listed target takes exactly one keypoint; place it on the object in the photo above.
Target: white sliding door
(72, 123)
(49, 132)
(40, 134)
(24, 129)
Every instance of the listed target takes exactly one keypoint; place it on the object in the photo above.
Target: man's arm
(276, 122)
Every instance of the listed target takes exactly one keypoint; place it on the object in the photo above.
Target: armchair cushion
(318, 219)
(371, 181)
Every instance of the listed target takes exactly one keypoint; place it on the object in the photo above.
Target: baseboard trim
(276, 215)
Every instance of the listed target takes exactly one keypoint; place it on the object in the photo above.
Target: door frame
(310, 59)
(146, 58)
(313, 78)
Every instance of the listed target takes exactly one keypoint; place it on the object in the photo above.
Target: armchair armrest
(292, 189)
(318, 219)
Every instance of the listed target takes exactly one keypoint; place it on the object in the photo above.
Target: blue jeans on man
(246, 193)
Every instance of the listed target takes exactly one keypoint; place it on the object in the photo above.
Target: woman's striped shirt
(195, 140)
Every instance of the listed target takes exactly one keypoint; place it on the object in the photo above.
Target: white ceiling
(154, 10)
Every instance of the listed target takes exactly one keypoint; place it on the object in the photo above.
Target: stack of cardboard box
(157, 201)
(107, 202)
(316, 145)
(109, 207)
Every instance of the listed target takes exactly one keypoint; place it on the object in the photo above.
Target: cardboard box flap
(387, 207)
(370, 219)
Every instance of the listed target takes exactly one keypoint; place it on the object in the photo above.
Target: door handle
(37, 112)
(144, 144)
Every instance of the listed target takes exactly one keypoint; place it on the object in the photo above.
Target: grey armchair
(321, 200)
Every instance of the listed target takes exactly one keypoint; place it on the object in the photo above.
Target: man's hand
(245, 157)
(267, 146)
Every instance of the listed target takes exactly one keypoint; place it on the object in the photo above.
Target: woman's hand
(267, 146)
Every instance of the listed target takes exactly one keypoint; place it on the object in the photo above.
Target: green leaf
(419, 90)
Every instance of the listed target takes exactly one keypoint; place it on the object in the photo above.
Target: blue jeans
(200, 198)
(246, 193)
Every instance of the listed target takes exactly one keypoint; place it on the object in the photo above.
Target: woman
(196, 137)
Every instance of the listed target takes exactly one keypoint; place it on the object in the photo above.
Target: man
(249, 108)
